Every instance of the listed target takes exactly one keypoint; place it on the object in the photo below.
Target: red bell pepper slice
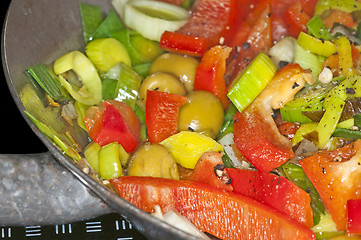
(183, 44)
(113, 121)
(161, 114)
(258, 139)
(354, 216)
(209, 23)
(224, 214)
(275, 191)
(210, 73)
(258, 39)
(296, 19)
(336, 176)
(210, 170)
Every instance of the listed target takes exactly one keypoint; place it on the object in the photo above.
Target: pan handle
(36, 190)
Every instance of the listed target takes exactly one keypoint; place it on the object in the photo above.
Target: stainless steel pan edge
(37, 31)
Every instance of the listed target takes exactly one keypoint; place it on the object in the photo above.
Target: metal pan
(49, 188)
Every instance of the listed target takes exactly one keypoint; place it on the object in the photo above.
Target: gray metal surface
(39, 31)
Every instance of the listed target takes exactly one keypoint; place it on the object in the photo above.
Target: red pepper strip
(354, 216)
(161, 114)
(258, 39)
(274, 191)
(183, 44)
(210, 73)
(258, 139)
(336, 176)
(224, 214)
(115, 129)
(210, 170)
(296, 19)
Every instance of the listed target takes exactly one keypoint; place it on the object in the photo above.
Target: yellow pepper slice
(344, 56)
(187, 147)
(91, 91)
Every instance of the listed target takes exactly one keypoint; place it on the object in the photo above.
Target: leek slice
(91, 153)
(91, 91)
(91, 17)
(109, 162)
(105, 53)
(152, 18)
(315, 45)
(308, 60)
(249, 84)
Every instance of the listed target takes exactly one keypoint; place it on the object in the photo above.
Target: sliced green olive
(182, 66)
(202, 113)
(163, 82)
(153, 160)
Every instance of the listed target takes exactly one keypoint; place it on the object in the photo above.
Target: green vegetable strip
(317, 28)
(48, 81)
(227, 122)
(53, 135)
(296, 174)
(347, 133)
(143, 127)
(328, 122)
(111, 23)
(357, 119)
(91, 17)
(252, 81)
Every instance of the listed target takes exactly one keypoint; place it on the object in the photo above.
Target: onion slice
(152, 18)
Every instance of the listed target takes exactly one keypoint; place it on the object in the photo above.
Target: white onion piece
(227, 142)
(152, 18)
(175, 219)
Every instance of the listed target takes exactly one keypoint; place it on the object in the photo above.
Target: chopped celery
(91, 17)
(317, 28)
(91, 153)
(111, 23)
(308, 60)
(296, 174)
(252, 81)
(48, 81)
(105, 53)
(109, 162)
(315, 45)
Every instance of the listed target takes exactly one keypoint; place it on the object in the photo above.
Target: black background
(15, 134)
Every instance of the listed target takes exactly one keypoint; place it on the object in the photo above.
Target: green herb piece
(91, 17)
(296, 174)
(317, 28)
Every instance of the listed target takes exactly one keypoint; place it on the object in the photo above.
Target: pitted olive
(202, 113)
(182, 66)
(164, 82)
(153, 160)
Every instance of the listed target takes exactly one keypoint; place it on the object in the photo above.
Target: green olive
(202, 113)
(153, 160)
(163, 82)
(182, 66)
